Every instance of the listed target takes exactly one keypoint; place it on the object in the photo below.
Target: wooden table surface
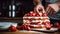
(28, 32)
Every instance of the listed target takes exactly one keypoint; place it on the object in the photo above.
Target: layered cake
(36, 20)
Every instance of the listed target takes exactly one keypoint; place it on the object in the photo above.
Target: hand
(52, 9)
(39, 7)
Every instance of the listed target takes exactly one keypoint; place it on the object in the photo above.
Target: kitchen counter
(28, 32)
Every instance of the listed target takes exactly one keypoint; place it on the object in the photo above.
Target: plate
(45, 30)
(26, 31)
(6, 25)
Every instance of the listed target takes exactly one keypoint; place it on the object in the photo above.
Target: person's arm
(36, 2)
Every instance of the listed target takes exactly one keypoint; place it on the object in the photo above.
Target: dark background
(21, 7)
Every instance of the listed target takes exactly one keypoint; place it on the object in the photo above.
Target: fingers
(39, 9)
(50, 11)
(53, 12)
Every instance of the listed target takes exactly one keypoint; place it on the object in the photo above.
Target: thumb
(43, 10)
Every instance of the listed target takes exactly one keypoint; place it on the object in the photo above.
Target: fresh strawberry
(31, 13)
(56, 24)
(34, 14)
(44, 15)
(13, 28)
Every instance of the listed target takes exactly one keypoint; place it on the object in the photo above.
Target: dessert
(35, 20)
